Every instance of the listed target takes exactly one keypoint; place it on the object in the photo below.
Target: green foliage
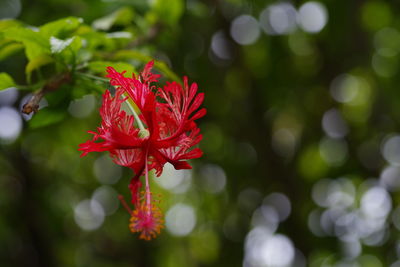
(6, 81)
(68, 45)
(60, 28)
(35, 44)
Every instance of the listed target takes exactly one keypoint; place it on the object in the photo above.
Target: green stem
(147, 193)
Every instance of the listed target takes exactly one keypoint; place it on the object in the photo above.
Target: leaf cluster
(69, 46)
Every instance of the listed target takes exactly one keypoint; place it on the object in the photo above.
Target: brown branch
(33, 104)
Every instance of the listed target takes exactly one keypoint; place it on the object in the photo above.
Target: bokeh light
(387, 42)
(106, 171)
(107, 197)
(312, 17)
(221, 46)
(390, 178)
(284, 142)
(278, 19)
(8, 96)
(345, 88)
(213, 178)
(280, 203)
(89, 215)
(390, 149)
(333, 151)
(176, 181)
(10, 124)
(81, 108)
(376, 203)
(267, 217)
(10, 9)
(263, 248)
(384, 66)
(333, 124)
(245, 30)
(180, 219)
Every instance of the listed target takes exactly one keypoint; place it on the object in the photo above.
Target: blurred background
(301, 144)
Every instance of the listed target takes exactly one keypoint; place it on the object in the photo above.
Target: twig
(33, 104)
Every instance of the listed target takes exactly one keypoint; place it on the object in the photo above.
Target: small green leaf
(35, 44)
(36, 63)
(6, 81)
(60, 27)
(100, 67)
(25, 34)
(135, 55)
(46, 117)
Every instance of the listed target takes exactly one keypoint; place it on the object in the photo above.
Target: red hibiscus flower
(143, 127)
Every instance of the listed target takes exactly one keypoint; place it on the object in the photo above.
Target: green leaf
(168, 11)
(135, 55)
(8, 23)
(46, 117)
(36, 63)
(35, 44)
(100, 67)
(25, 34)
(122, 16)
(60, 27)
(6, 81)
(9, 48)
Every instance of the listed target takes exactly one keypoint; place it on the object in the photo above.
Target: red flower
(161, 128)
